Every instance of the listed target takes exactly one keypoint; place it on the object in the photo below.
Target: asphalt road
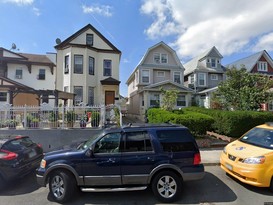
(215, 188)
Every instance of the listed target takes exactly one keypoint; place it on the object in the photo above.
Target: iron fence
(47, 117)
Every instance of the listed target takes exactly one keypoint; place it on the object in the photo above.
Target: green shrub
(233, 123)
(197, 123)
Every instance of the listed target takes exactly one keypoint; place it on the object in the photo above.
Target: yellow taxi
(250, 158)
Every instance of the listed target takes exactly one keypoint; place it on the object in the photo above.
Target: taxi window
(259, 137)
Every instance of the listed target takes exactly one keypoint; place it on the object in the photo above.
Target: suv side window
(137, 142)
(176, 140)
(108, 144)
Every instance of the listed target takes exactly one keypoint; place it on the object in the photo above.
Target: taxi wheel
(271, 184)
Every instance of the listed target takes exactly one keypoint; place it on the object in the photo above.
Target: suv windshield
(89, 142)
(259, 137)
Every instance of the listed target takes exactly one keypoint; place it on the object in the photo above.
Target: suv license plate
(228, 166)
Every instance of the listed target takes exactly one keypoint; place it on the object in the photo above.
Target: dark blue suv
(125, 159)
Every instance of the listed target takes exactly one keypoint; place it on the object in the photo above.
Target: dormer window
(262, 66)
(160, 58)
(213, 63)
(89, 39)
(157, 57)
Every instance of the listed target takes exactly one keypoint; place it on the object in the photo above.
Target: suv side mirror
(89, 153)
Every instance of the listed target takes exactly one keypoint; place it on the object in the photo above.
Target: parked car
(19, 155)
(125, 159)
(249, 159)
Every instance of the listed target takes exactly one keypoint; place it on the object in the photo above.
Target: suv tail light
(197, 159)
(6, 155)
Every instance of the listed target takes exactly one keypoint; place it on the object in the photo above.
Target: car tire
(271, 185)
(166, 186)
(2, 183)
(62, 186)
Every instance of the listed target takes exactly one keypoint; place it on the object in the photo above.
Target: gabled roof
(166, 82)
(194, 63)
(67, 41)
(110, 81)
(161, 43)
(8, 51)
(14, 85)
(37, 58)
(250, 61)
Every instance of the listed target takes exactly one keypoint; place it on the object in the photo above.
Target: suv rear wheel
(62, 185)
(166, 186)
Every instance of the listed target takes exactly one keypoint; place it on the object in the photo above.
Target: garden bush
(198, 123)
(234, 123)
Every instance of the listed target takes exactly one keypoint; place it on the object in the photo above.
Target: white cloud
(232, 26)
(18, 2)
(36, 11)
(103, 10)
(265, 42)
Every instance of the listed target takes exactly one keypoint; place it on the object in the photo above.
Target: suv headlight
(43, 164)
(254, 160)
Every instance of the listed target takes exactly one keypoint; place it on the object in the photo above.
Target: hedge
(198, 123)
(233, 123)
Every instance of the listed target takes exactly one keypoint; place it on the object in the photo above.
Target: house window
(164, 58)
(177, 77)
(157, 57)
(45, 98)
(91, 66)
(214, 77)
(18, 73)
(78, 91)
(154, 100)
(66, 64)
(201, 79)
(89, 39)
(213, 63)
(78, 64)
(41, 75)
(107, 68)
(66, 89)
(3, 97)
(191, 79)
(145, 76)
(90, 95)
(181, 101)
(262, 66)
(160, 74)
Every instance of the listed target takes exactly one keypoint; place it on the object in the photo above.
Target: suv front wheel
(166, 186)
(62, 185)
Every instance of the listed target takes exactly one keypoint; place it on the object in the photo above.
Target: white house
(88, 65)
(26, 79)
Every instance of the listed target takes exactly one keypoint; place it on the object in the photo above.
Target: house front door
(109, 97)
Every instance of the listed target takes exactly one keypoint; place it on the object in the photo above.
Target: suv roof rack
(138, 125)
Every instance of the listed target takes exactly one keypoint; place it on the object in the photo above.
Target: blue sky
(237, 28)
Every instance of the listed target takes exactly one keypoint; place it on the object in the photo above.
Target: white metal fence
(47, 117)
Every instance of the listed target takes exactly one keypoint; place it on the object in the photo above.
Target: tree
(169, 99)
(243, 90)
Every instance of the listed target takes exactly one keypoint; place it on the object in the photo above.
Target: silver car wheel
(57, 186)
(167, 186)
